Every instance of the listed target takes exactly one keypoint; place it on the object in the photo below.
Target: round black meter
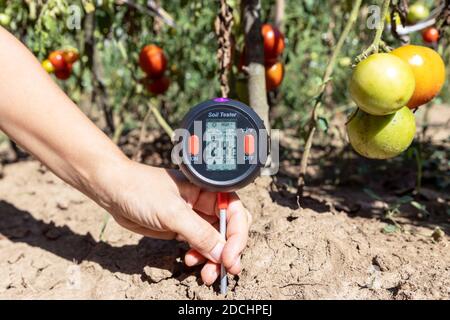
(224, 146)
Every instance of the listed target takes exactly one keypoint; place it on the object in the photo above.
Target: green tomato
(381, 137)
(417, 12)
(5, 19)
(382, 84)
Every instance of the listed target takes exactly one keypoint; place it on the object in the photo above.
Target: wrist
(103, 179)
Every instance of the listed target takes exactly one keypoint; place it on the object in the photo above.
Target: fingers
(196, 231)
(237, 234)
(210, 272)
(193, 258)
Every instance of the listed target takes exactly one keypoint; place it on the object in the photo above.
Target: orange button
(194, 147)
(249, 144)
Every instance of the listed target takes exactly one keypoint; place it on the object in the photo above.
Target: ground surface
(50, 248)
(340, 243)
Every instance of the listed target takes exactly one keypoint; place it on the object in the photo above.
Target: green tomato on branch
(417, 12)
(382, 84)
(381, 137)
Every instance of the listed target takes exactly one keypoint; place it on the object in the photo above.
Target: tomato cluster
(60, 62)
(153, 62)
(385, 87)
(274, 45)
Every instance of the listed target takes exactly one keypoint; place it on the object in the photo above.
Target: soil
(340, 243)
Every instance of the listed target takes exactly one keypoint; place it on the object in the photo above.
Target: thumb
(201, 235)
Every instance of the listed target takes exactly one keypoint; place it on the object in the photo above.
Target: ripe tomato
(48, 66)
(64, 73)
(57, 60)
(428, 69)
(159, 85)
(381, 137)
(430, 35)
(70, 56)
(273, 42)
(274, 76)
(382, 84)
(417, 12)
(153, 61)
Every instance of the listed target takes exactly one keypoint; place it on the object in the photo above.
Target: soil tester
(224, 146)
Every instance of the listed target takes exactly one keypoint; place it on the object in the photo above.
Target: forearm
(43, 120)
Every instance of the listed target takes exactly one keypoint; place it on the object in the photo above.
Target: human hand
(162, 204)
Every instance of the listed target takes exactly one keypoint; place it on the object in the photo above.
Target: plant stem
(318, 103)
(375, 46)
(255, 58)
(161, 121)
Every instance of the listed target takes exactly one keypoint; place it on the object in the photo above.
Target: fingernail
(216, 253)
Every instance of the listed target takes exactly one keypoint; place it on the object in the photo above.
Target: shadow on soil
(20, 226)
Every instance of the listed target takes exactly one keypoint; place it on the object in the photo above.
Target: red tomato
(430, 35)
(273, 42)
(64, 74)
(71, 56)
(153, 61)
(57, 60)
(158, 86)
(274, 75)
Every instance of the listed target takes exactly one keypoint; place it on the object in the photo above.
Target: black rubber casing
(222, 181)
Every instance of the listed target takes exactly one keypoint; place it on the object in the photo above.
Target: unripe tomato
(48, 66)
(71, 56)
(153, 61)
(5, 19)
(430, 35)
(382, 84)
(428, 69)
(417, 12)
(381, 137)
(273, 42)
(64, 73)
(274, 76)
(57, 60)
(159, 85)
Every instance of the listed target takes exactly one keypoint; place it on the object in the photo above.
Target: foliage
(120, 31)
